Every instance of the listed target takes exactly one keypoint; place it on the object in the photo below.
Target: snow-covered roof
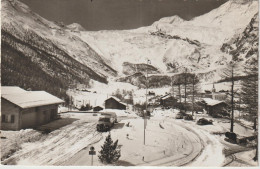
(118, 100)
(212, 102)
(32, 99)
(166, 97)
(115, 98)
(99, 106)
(162, 97)
(11, 90)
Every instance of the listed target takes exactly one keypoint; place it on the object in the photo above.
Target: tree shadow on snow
(124, 163)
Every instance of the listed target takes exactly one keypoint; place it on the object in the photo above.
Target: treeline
(124, 95)
(34, 63)
(20, 71)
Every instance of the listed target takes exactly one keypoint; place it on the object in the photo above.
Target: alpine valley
(51, 56)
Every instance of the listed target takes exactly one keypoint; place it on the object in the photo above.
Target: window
(12, 118)
(8, 118)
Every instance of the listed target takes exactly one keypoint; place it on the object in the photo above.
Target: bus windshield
(104, 119)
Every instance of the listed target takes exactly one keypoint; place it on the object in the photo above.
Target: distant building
(168, 101)
(151, 93)
(27, 109)
(98, 108)
(221, 96)
(214, 106)
(114, 103)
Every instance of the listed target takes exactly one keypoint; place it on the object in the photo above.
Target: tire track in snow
(58, 146)
(191, 138)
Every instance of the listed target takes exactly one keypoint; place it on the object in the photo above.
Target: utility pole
(179, 86)
(185, 89)
(145, 120)
(193, 93)
(185, 85)
(172, 92)
(239, 108)
(232, 99)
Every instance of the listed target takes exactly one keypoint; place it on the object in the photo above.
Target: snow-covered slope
(41, 54)
(75, 27)
(244, 47)
(214, 27)
(172, 44)
(17, 15)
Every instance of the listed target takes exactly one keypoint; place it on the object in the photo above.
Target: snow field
(59, 145)
(167, 144)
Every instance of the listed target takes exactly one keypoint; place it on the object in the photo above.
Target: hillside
(40, 54)
(244, 47)
(173, 44)
(60, 56)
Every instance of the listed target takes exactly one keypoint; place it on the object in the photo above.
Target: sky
(96, 15)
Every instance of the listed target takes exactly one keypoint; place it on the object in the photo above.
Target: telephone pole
(145, 120)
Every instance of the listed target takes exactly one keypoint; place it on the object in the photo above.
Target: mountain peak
(170, 20)
(76, 27)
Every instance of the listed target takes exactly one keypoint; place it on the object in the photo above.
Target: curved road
(169, 142)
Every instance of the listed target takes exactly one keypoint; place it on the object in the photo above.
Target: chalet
(214, 107)
(27, 109)
(98, 108)
(168, 101)
(114, 103)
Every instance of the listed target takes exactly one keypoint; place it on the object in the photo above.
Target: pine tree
(230, 73)
(250, 94)
(110, 152)
(250, 89)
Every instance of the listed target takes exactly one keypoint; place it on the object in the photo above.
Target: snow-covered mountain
(172, 44)
(40, 54)
(76, 27)
(214, 27)
(244, 47)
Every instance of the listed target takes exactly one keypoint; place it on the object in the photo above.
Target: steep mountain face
(244, 47)
(212, 28)
(66, 55)
(52, 57)
(173, 44)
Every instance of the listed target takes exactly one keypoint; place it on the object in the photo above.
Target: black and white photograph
(129, 83)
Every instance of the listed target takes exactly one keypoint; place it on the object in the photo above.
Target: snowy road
(169, 142)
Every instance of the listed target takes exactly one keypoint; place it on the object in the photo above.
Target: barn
(27, 109)
(214, 107)
(168, 101)
(114, 103)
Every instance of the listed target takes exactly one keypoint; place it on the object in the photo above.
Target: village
(154, 83)
(38, 117)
